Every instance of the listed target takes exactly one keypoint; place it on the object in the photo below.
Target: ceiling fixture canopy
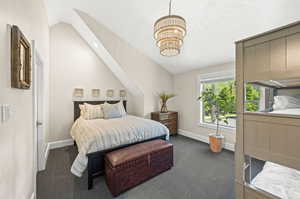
(169, 32)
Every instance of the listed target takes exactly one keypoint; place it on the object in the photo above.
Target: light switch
(5, 112)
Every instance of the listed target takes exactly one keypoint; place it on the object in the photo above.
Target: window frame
(209, 78)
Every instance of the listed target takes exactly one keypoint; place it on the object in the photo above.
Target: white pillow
(122, 109)
(90, 112)
(82, 110)
(113, 110)
(285, 102)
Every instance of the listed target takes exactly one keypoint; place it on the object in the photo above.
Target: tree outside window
(224, 93)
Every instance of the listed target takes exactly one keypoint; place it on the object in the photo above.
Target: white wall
(16, 135)
(186, 87)
(73, 65)
(147, 74)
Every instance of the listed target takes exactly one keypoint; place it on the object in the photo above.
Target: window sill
(214, 126)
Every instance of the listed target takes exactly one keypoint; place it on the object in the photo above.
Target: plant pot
(216, 142)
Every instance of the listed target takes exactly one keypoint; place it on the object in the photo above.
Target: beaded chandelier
(169, 32)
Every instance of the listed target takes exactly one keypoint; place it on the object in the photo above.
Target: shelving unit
(274, 55)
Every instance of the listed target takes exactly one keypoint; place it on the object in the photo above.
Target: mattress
(292, 111)
(101, 134)
(278, 180)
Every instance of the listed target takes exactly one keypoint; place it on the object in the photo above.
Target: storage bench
(128, 167)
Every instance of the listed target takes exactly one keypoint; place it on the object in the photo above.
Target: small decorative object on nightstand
(169, 119)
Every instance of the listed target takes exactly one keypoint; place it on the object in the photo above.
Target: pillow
(113, 110)
(90, 112)
(82, 110)
(285, 102)
(122, 109)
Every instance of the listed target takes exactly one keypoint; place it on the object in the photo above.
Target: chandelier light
(169, 32)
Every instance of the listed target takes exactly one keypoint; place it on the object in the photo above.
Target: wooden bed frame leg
(90, 174)
(90, 181)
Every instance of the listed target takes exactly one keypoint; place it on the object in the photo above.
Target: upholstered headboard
(77, 109)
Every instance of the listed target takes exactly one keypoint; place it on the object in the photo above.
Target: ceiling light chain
(169, 32)
(170, 7)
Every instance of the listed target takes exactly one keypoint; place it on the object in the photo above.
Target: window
(221, 91)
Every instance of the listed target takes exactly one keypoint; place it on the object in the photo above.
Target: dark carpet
(197, 174)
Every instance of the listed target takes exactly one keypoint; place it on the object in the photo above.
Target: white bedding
(278, 180)
(100, 134)
(291, 111)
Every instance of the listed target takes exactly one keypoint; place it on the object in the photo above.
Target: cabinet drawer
(172, 128)
(168, 122)
(167, 116)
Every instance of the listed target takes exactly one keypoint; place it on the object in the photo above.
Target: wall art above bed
(78, 93)
(123, 94)
(110, 93)
(96, 92)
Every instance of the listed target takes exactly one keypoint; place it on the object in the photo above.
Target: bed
(95, 138)
(278, 180)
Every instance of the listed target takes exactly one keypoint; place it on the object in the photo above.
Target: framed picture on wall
(123, 94)
(96, 92)
(20, 60)
(78, 93)
(110, 93)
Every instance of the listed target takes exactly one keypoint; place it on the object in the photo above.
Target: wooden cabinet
(278, 58)
(274, 55)
(293, 55)
(251, 72)
(257, 62)
(273, 138)
(262, 61)
(170, 120)
(254, 194)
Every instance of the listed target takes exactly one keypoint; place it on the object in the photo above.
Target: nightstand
(169, 119)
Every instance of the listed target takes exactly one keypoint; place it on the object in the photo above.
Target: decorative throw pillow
(122, 109)
(90, 112)
(113, 110)
(82, 110)
(285, 102)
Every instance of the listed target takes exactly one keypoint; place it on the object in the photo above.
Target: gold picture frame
(96, 92)
(123, 94)
(110, 93)
(20, 60)
(78, 93)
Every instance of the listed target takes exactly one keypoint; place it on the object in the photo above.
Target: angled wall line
(81, 27)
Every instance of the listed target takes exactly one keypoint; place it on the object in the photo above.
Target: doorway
(38, 109)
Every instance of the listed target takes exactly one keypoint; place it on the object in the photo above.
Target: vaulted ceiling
(213, 25)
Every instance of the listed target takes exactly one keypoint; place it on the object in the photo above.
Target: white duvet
(100, 134)
(281, 181)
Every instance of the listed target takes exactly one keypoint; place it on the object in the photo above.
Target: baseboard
(202, 138)
(61, 143)
(32, 196)
(46, 155)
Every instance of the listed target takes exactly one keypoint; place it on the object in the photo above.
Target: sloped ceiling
(213, 25)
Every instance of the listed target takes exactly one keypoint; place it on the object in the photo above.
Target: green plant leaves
(220, 95)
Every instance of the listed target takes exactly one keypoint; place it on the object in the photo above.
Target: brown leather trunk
(133, 165)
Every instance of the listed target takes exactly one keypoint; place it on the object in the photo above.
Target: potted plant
(219, 105)
(164, 97)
